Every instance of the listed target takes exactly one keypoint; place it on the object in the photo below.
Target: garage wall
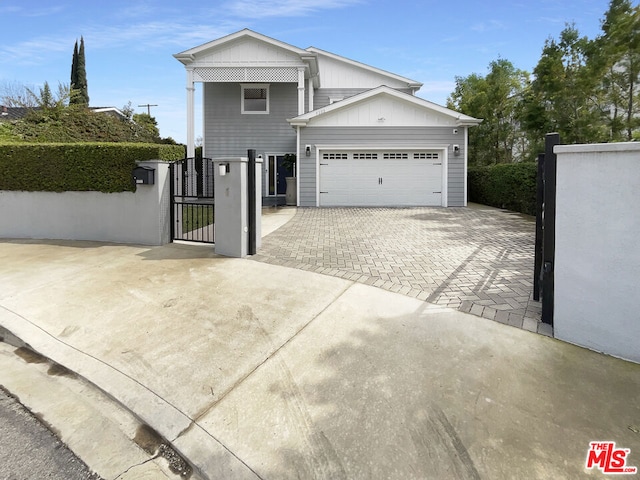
(597, 260)
(380, 136)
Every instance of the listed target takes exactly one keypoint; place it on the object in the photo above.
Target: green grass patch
(196, 216)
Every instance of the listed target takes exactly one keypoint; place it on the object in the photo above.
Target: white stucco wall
(127, 217)
(597, 262)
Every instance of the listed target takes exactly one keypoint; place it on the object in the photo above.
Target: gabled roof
(188, 56)
(455, 118)
(210, 55)
(410, 83)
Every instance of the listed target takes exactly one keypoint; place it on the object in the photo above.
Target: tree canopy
(584, 89)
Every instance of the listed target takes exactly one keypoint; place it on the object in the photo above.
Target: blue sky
(130, 44)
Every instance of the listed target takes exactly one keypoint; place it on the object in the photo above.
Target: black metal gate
(545, 243)
(192, 200)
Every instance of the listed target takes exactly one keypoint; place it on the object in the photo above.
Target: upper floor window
(255, 98)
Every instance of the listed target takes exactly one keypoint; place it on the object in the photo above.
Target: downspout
(466, 162)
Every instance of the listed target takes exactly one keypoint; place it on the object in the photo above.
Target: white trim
(441, 148)
(310, 94)
(191, 114)
(301, 91)
(460, 119)
(318, 148)
(386, 146)
(444, 195)
(190, 57)
(466, 162)
(243, 87)
(298, 166)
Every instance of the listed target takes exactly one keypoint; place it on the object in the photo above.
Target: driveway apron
(475, 259)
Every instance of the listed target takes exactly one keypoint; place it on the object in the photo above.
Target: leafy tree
(79, 88)
(22, 96)
(128, 111)
(494, 98)
(562, 97)
(618, 53)
(14, 94)
(148, 124)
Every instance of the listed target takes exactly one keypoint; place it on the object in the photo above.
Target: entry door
(276, 175)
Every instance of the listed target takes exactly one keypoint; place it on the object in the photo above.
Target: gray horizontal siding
(228, 132)
(381, 136)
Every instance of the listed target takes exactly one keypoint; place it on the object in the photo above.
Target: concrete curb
(206, 455)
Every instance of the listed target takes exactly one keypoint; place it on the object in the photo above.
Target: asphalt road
(29, 450)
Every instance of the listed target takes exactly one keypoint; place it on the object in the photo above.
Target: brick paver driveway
(476, 259)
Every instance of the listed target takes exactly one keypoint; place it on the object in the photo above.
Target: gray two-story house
(360, 135)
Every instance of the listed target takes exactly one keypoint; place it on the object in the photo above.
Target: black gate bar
(549, 228)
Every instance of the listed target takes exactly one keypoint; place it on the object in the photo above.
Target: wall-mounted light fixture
(455, 131)
(223, 169)
(307, 150)
(456, 150)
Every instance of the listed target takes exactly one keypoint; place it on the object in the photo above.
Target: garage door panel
(366, 179)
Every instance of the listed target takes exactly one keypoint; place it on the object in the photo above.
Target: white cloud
(31, 11)
(283, 8)
(488, 26)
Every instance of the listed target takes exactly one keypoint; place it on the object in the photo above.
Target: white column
(310, 93)
(300, 90)
(191, 114)
(298, 154)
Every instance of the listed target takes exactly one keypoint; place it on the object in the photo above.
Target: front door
(276, 175)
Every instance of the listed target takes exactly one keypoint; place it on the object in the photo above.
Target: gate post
(549, 227)
(232, 209)
(537, 273)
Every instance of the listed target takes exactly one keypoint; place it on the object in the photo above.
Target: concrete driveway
(478, 260)
(258, 371)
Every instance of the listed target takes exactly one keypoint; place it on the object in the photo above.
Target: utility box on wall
(231, 184)
(143, 176)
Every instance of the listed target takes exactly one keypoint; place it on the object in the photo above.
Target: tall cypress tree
(79, 89)
(74, 67)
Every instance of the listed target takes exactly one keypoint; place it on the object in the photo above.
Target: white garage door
(381, 178)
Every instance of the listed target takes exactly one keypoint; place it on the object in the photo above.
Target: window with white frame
(255, 98)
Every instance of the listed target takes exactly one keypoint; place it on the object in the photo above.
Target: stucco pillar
(301, 91)
(191, 144)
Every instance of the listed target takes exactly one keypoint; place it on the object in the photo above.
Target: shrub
(508, 185)
(79, 124)
(102, 167)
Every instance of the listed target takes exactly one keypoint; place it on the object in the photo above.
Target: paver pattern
(475, 259)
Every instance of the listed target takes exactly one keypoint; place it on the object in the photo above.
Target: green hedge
(60, 167)
(507, 185)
